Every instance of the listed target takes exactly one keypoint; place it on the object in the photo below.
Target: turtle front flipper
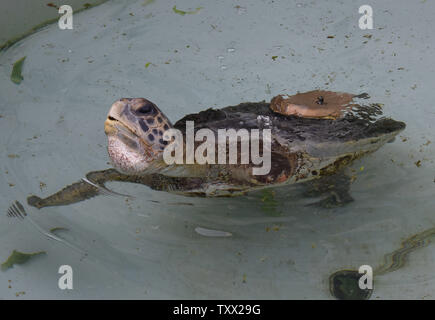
(335, 190)
(73, 193)
(83, 190)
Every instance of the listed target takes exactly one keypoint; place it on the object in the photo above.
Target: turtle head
(134, 128)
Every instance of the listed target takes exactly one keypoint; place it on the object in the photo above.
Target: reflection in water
(17, 210)
(343, 284)
(396, 259)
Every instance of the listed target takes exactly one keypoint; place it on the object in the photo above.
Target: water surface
(51, 129)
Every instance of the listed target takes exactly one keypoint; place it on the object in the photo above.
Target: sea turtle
(313, 136)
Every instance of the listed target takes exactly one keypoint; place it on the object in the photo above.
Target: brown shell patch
(313, 104)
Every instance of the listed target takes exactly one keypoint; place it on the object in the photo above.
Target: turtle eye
(145, 109)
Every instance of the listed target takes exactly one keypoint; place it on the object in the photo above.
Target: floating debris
(56, 229)
(147, 2)
(51, 4)
(181, 203)
(16, 76)
(18, 258)
(344, 285)
(42, 185)
(397, 259)
(274, 228)
(269, 205)
(212, 233)
(240, 10)
(13, 156)
(181, 12)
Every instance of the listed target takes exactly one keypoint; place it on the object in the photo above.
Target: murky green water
(51, 129)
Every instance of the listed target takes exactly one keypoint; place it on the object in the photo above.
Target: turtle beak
(113, 118)
(109, 126)
(120, 118)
